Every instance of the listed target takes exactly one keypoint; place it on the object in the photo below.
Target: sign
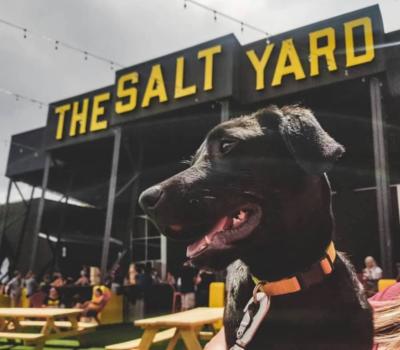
(341, 48)
(200, 74)
(75, 118)
(334, 50)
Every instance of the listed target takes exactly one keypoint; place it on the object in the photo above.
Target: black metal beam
(23, 229)
(39, 214)
(383, 198)
(110, 201)
(21, 194)
(130, 231)
(6, 210)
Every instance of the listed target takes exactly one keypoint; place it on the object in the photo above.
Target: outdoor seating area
(187, 325)
(41, 327)
(52, 327)
(48, 324)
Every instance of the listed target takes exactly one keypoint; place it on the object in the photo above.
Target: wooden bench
(134, 344)
(60, 324)
(22, 336)
(206, 335)
(26, 338)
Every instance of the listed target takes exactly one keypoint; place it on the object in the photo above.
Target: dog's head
(253, 181)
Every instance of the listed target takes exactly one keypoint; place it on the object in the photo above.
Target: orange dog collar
(303, 280)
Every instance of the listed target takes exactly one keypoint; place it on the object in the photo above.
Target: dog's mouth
(226, 231)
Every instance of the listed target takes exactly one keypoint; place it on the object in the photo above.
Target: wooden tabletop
(191, 318)
(37, 312)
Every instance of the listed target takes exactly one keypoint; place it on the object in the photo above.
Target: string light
(59, 43)
(19, 97)
(242, 24)
(224, 15)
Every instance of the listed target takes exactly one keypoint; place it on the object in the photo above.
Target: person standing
(58, 280)
(83, 280)
(203, 281)
(30, 284)
(171, 280)
(14, 289)
(188, 277)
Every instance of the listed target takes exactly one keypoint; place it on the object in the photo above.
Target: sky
(128, 32)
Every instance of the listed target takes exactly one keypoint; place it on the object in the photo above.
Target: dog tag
(254, 314)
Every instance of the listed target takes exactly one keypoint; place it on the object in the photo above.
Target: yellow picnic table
(52, 322)
(186, 324)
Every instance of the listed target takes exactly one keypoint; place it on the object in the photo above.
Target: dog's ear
(311, 146)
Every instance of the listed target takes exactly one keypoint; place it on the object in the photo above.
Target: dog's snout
(150, 198)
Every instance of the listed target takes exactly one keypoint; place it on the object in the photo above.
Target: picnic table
(52, 323)
(185, 324)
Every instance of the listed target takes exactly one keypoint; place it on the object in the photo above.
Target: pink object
(380, 298)
(389, 293)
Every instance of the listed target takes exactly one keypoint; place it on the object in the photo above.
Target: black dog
(257, 191)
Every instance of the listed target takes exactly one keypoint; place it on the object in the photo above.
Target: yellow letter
(97, 111)
(123, 91)
(155, 87)
(327, 50)
(288, 51)
(79, 117)
(180, 90)
(208, 55)
(369, 54)
(61, 110)
(260, 64)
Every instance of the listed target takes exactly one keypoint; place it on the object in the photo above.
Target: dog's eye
(226, 146)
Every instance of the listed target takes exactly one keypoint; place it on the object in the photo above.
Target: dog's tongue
(201, 244)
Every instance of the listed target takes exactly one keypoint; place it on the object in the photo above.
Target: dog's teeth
(207, 239)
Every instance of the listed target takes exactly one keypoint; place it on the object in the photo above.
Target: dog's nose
(150, 198)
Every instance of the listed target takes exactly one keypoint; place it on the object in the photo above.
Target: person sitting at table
(53, 299)
(92, 307)
(37, 299)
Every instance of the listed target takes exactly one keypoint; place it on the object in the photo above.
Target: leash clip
(254, 313)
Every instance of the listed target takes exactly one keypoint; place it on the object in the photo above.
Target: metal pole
(39, 214)
(20, 194)
(56, 256)
(6, 209)
(133, 204)
(224, 110)
(164, 257)
(23, 230)
(383, 198)
(110, 202)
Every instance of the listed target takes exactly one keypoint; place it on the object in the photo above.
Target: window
(146, 241)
